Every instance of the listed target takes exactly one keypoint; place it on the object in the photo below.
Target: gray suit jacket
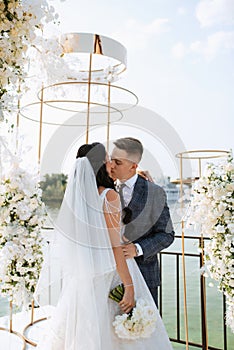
(150, 226)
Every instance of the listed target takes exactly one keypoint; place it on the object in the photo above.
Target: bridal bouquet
(138, 323)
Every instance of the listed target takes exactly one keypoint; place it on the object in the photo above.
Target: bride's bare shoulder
(112, 196)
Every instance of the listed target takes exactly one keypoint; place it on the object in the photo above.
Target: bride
(88, 242)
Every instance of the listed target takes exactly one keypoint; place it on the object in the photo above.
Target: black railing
(179, 258)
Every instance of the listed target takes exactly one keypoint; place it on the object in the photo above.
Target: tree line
(53, 187)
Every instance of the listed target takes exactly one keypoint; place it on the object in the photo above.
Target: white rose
(33, 221)
(230, 187)
(18, 197)
(227, 214)
(2, 200)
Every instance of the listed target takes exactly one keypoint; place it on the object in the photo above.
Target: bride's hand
(128, 301)
(145, 174)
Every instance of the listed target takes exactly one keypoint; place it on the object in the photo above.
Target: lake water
(214, 297)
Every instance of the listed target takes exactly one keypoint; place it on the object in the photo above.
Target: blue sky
(180, 59)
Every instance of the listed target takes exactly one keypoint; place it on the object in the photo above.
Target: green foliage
(53, 187)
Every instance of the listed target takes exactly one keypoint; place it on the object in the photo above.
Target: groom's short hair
(132, 146)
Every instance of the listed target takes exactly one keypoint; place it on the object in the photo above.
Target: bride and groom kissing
(108, 233)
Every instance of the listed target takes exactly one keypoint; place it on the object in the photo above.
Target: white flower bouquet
(212, 208)
(22, 214)
(140, 322)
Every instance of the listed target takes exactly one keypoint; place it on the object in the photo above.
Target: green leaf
(117, 293)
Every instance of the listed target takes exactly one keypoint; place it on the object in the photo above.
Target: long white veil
(82, 253)
(81, 225)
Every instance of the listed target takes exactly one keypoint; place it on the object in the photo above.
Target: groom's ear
(134, 165)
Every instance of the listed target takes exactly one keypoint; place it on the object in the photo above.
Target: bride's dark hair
(96, 154)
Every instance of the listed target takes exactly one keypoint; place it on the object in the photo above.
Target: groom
(149, 228)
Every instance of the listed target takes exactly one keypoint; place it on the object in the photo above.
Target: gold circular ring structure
(65, 84)
(50, 102)
(194, 154)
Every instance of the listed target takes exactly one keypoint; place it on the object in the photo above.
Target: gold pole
(203, 283)
(183, 257)
(18, 106)
(11, 307)
(40, 127)
(89, 91)
(17, 120)
(199, 167)
(185, 291)
(108, 118)
(32, 312)
(203, 286)
(181, 180)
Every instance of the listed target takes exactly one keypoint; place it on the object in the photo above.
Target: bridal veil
(81, 251)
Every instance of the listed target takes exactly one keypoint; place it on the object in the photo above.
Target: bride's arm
(113, 218)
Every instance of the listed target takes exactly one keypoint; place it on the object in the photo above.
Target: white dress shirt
(128, 188)
(127, 196)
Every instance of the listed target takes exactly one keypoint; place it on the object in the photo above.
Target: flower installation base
(25, 336)
(11, 339)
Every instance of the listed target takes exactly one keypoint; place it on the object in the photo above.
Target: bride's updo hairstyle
(96, 154)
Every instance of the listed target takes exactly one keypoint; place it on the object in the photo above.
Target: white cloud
(158, 26)
(136, 35)
(179, 50)
(212, 12)
(217, 43)
(181, 11)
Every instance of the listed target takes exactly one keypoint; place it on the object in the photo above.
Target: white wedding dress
(82, 319)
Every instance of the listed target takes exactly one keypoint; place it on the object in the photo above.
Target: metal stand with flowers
(21, 208)
(22, 215)
(212, 208)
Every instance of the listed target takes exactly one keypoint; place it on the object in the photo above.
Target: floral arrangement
(139, 323)
(22, 215)
(20, 20)
(212, 208)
